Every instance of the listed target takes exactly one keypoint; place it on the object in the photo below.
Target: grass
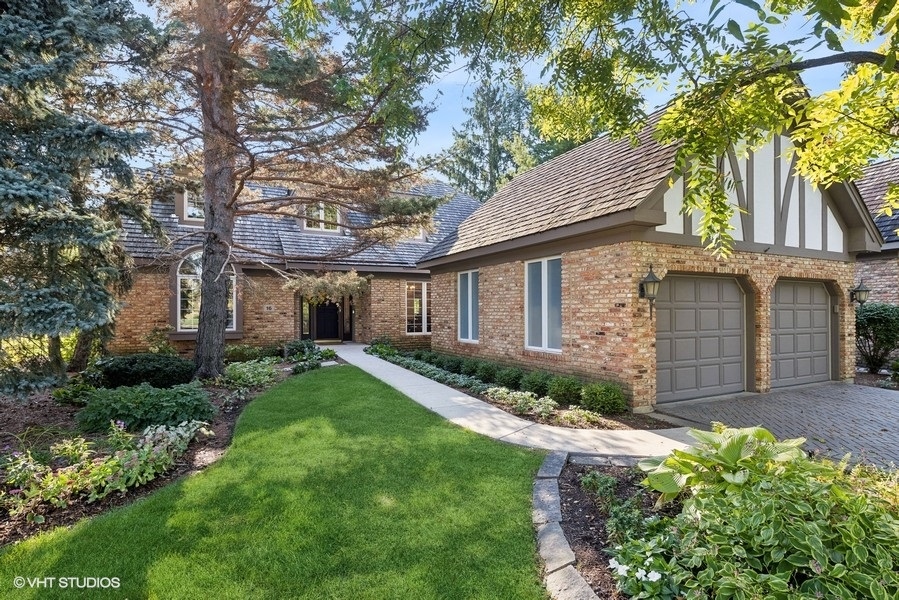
(336, 486)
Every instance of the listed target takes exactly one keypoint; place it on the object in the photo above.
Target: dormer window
(189, 205)
(322, 217)
(193, 206)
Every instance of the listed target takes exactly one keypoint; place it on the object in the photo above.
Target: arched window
(189, 275)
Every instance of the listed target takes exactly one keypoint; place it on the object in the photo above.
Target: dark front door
(327, 322)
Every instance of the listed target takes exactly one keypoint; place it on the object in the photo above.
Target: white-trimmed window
(418, 307)
(543, 304)
(194, 209)
(468, 306)
(190, 273)
(322, 217)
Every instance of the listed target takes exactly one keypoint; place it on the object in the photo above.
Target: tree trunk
(216, 73)
(57, 365)
(84, 343)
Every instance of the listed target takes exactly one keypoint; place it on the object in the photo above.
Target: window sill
(420, 333)
(473, 342)
(191, 336)
(542, 350)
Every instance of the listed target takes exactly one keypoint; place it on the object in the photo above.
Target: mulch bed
(584, 523)
(40, 416)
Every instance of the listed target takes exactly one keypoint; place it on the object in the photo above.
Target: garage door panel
(663, 318)
(684, 350)
(709, 320)
(684, 291)
(801, 346)
(685, 319)
(732, 346)
(709, 347)
(705, 334)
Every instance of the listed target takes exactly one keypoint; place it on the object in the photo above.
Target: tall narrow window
(190, 273)
(468, 306)
(322, 216)
(193, 206)
(418, 307)
(543, 304)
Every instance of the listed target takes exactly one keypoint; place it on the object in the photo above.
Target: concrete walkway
(488, 420)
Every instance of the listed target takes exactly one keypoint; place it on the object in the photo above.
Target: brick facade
(383, 314)
(606, 329)
(880, 273)
(270, 314)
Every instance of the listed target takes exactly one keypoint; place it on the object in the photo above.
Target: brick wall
(606, 329)
(383, 314)
(881, 275)
(144, 307)
(270, 313)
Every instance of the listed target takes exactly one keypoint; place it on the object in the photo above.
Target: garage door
(699, 338)
(800, 333)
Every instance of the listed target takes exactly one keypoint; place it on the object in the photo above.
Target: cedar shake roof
(599, 178)
(872, 187)
(286, 236)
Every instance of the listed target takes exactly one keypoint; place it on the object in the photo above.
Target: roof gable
(598, 178)
(873, 187)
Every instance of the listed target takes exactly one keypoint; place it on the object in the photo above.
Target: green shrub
(327, 354)
(158, 370)
(235, 353)
(564, 390)
(486, 372)
(470, 367)
(75, 393)
(306, 365)
(604, 397)
(536, 382)
(789, 531)
(876, 333)
(602, 486)
(625, 521)
(140, 406)
(301, 347)
(252, 374)
(509, 377)
(453, 364)
(419, 354)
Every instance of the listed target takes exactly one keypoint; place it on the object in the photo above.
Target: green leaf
(750, 4)
(734, 28)
(833, 41)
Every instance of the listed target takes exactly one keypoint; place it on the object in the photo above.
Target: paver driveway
(835, 417)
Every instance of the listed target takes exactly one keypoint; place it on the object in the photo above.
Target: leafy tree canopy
(733, 82)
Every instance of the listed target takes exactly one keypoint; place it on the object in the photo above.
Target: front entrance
(327, 322)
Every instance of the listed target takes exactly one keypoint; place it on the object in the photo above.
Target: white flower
(614, 564)
(641, 574)
(647, 562)
(654, 576)
(622, 570)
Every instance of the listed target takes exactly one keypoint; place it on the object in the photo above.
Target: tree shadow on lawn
(336, 486)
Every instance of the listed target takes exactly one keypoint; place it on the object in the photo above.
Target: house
(546, 274)
(165, 295)
(880, 271)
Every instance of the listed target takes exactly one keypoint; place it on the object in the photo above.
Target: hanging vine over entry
(329, 287)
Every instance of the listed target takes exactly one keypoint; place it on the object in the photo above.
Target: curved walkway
(488, 420)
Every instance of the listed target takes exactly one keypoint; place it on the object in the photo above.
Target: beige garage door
(800, 333)
(699, 338)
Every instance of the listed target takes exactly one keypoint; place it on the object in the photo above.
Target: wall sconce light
(859, 293)
(649, 288)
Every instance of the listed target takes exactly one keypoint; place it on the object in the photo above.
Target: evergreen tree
(62, 171)
(497, 141)
(249, 94)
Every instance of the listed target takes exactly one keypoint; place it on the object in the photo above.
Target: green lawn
(336, 486)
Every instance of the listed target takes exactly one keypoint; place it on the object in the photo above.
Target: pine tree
(62, 172)
(251, 94)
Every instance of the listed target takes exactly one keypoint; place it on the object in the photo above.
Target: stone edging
(562, 580)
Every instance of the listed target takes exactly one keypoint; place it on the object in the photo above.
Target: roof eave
(638, 216)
